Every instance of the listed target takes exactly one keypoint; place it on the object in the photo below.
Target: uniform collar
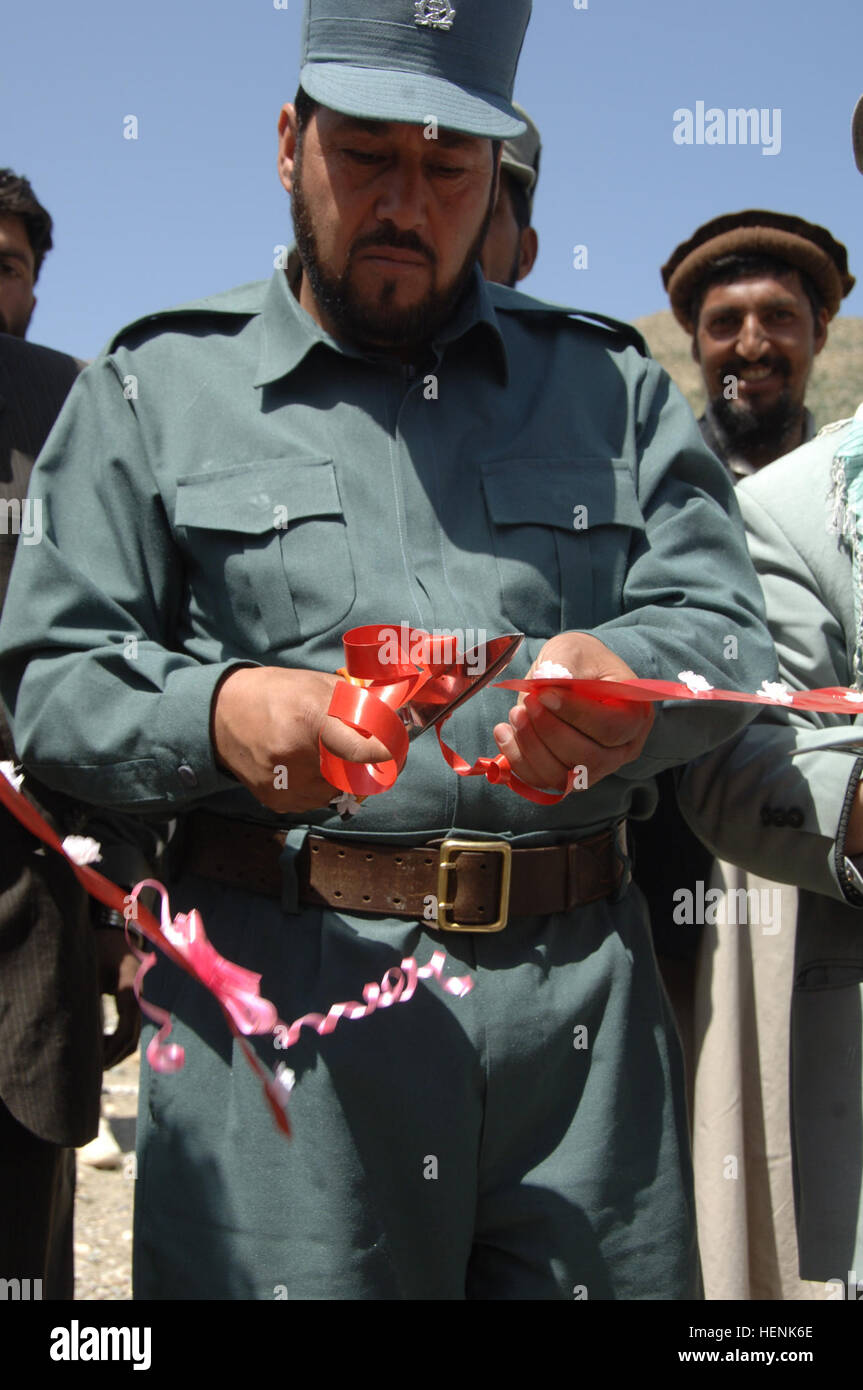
(288, 333)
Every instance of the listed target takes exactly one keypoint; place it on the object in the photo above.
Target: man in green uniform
(511, 243)
(378, 436)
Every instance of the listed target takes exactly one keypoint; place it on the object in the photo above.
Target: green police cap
(521, 155)
(417, 60)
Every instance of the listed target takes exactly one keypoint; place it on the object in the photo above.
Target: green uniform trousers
(503, 1145)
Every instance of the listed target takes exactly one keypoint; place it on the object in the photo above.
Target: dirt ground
(104, 1198)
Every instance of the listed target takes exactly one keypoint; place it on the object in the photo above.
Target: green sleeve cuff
(683, 731)
(779, 816)
(183, 749)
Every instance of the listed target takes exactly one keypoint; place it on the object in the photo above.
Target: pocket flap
(256, 497)
(546, 492)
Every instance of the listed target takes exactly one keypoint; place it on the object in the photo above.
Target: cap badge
(434, 14)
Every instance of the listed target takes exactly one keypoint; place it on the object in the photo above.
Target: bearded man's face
(755, 342)
(389, 224)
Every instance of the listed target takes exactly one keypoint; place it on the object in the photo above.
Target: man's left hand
(118, 966)
(550, 734)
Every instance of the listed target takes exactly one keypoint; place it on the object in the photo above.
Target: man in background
(785, 801)
(511, 243)
(25, 239)
(756, 291)
(52, 962)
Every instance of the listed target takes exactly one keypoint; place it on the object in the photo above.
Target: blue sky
(194, 204)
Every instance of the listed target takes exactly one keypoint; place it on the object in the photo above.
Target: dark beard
(745, 430)
(750, 432)
(381, 324)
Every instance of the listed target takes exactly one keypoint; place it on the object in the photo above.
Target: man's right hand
(265, 727)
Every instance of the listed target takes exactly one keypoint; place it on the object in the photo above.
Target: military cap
(414, 60)
(857, 134)
(521, 155)
(804, 245)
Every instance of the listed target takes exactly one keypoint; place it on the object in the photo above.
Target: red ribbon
(371, 709)
(831, 699)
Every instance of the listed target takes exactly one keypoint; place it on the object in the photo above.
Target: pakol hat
(417, 60)
(803, 245)
(521, 155)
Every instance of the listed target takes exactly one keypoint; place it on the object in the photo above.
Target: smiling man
(787, 803)
(378, 435)
(756, 291)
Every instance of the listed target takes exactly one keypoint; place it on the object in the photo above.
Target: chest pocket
(267, 541)
(562, 531)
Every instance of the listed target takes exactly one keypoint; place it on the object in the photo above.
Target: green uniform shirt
(228, 483)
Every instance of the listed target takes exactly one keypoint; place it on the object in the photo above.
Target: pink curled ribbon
(184, 942)
(397, 987)
(376, 688)
(237, 990)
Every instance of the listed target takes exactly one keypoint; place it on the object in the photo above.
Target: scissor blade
(456, 682)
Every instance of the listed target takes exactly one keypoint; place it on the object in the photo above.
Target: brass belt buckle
(445, 865)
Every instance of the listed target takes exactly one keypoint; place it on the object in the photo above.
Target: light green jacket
(775, 802)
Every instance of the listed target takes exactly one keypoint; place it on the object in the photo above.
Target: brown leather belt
(458, 884)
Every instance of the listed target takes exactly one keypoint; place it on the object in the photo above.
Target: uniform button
(780, 819)
(187, 775)
(795, 818)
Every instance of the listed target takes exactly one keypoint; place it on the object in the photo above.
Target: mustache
(778, 364)
(390, 236)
